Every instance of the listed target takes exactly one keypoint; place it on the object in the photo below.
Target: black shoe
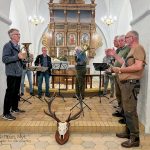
(123, 135)
(132, 142)
(18, 111)
(39, 96)
(122, 121)
(117, 107)
(74, 96)
(111, 95)
(48, 95)
(32, 94)
(117, 114)
(9, 117)
(104, 93)
(21, 94)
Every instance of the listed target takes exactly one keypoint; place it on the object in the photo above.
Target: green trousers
(129, 103)
(118, 90)
(80, 81)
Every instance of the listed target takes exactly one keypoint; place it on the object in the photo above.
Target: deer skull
(62, 132)
(62, 128)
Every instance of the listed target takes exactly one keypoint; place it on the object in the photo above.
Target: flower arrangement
(62, 58)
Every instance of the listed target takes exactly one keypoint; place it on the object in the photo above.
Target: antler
(75, 116)
(51, 114)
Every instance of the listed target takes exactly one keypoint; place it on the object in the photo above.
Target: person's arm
(112, 52)
(50, 63)
(7, 56)
(119, 59)
(37, 60)
(137, 66)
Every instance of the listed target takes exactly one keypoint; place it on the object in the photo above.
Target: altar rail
(70, 80)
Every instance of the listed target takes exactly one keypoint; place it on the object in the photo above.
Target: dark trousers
(40, 82)
(118, 91)
(80, 82)
(129, 101)
(12, 94)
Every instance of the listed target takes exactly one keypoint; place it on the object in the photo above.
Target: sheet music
(37, 68)
(62, 65)
(100, 66)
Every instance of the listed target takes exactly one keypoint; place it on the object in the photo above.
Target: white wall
(19, 17)
(4, 27)
(140, 24)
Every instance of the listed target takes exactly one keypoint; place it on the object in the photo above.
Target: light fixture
(35, 19)
(109, 19)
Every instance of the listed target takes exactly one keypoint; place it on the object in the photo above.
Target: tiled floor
(86, 141)
(34, 120)
(95, 130)
(98, 119)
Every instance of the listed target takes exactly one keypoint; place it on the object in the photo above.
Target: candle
(57, 52)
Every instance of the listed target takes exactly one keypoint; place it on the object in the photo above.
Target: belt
(130, 81)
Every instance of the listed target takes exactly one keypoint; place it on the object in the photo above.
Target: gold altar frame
(72, 39)
(59, 39)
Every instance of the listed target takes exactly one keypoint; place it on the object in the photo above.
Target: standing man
(43, 60)
(12, 58)
(122, 52)
(81, 60)
(129, 76)
(109, 60)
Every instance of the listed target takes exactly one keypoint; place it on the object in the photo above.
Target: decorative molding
(5, 19)
(139, 18)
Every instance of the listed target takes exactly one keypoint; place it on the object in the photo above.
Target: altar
(66, 75)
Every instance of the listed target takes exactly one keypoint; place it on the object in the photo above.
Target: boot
(117, 114)
(123, 135)
(132, 142)
(122, 121)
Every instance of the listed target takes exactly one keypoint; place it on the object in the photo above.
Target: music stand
(62, 65)
(100, 67)
(25, 100)
(81, 102)
(33, 69)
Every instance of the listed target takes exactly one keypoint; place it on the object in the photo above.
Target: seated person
(43, 60)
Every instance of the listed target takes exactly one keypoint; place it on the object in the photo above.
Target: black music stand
(25, 100)
(100, 67)
(81, 102)
(33, 69)
(62, 65)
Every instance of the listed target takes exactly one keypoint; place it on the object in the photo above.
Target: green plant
(62, 58)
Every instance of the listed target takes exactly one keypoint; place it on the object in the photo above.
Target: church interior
(60, 26)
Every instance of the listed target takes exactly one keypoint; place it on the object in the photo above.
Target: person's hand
(21, 55)
(31, 58)
(116, 69)
(111, 52)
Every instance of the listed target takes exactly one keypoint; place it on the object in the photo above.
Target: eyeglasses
(126, 37)
(16, 34)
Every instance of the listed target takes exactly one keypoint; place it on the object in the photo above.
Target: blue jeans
(29, 75)
(40, 81)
